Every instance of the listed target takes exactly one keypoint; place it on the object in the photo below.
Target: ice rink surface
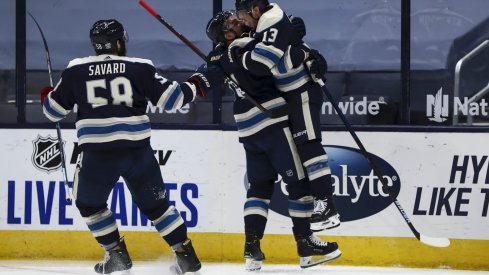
(151, 268)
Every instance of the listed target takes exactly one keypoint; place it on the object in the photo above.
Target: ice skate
(187, 260)
(325, 215)
(253, 255)
(313, 251)
(116, 260)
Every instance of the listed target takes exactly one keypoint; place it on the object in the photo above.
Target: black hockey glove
(45, 91)
(299, 32)
(316, 65)
(214, 57)
(201, 83)
(214, 74)
(230, 60)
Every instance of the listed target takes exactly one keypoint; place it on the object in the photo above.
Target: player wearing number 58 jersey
(112, 92)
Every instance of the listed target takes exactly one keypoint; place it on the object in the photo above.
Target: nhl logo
(47, 154)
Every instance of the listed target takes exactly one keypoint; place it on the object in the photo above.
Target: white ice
(162, 268)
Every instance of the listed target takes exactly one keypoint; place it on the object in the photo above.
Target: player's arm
(172, 95)
(267, 52)
(297, 52)
(274, 47)
(58, 101)
(293, 57)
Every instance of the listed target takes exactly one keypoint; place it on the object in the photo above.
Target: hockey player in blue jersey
(269, 150)
(276, 53)
(112, 91)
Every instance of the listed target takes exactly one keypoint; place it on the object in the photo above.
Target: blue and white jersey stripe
(288, 79)
(301, 208)
(285, 63)
(256, 206)
(317, 167)
(172, 97)
(267, 55)
(168, 222)
(101, 223)
(52, 110)
(254, 120)
(103, 130)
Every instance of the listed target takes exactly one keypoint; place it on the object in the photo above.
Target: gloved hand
(201, 83)
(214, 74)
(230, 60)
(45, 91)
(299, 30)
(214, 57)
(316, 65)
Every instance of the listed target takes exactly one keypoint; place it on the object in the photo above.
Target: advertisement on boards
(440, 180)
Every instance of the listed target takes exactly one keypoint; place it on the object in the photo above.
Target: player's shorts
(98, 171)
(304, 118)
(271, 154)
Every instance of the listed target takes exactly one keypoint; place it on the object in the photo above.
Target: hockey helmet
(217, 26)
(248, 5)
(105, 33)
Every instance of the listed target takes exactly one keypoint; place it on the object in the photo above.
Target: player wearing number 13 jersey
(112, 91)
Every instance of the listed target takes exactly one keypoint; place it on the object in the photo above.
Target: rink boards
(440, 179)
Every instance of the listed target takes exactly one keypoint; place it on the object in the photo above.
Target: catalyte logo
(437, 106)
(358, 192)
(47, 154)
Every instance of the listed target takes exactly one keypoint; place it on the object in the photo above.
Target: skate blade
(252, 264)
(306, 262)
(123, 272)
(330, 223)
(174, 269)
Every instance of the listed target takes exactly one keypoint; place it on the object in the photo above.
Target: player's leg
(95, 176)
(305, 126)
(143, 177)
(325, 214)
(261, 177)
(283, 155)
(311, 250)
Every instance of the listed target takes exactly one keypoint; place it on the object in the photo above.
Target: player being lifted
(269, 150)
(112, 92)
(276, 53)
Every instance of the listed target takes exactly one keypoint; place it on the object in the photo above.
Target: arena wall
(440, 179)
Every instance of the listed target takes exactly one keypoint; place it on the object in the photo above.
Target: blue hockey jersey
(251, 122)
(112, 94)
(274, 54)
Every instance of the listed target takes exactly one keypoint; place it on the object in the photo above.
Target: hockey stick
(433, 241)
(227, 79)
(58, 128)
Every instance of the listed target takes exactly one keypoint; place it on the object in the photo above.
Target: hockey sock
(171, 226)
(300, 211)
(315, 162)
(104, 228)
(256, 216)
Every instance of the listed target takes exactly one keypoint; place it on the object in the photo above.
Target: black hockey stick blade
(58, 127)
